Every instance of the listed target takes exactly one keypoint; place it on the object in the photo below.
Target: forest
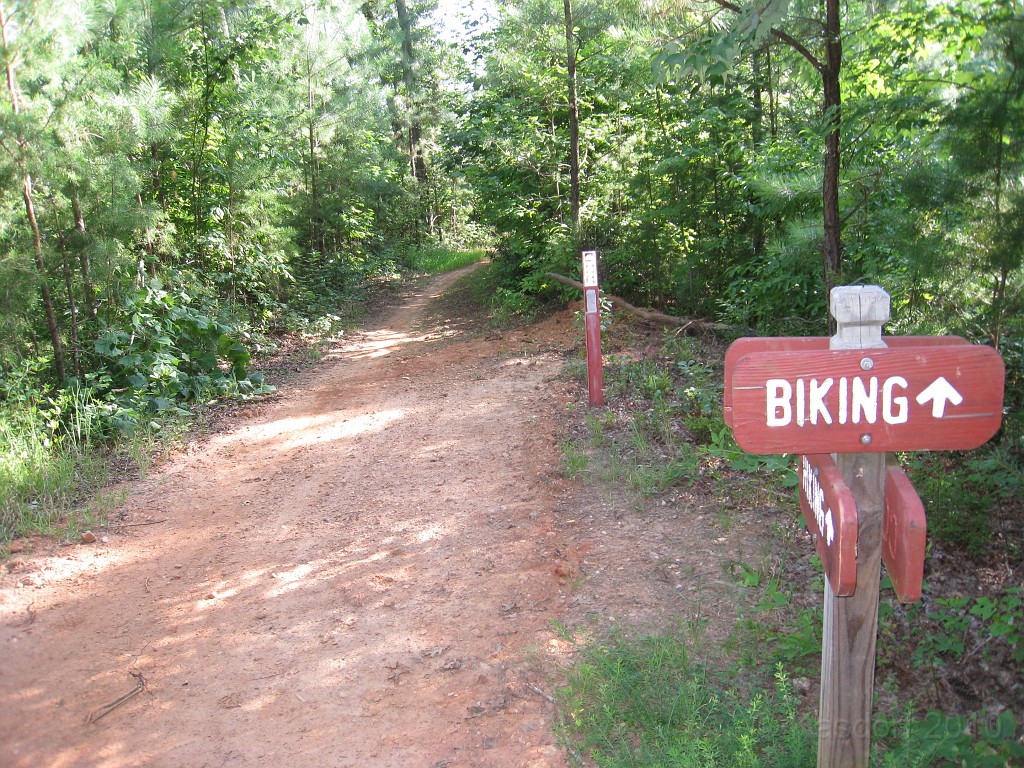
(184, 179)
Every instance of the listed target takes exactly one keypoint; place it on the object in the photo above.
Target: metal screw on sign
(592, 321)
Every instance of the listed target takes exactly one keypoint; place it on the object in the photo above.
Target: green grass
(574, 459)
(39, 472)
(53, 467)
(435, 259)
(652, 701)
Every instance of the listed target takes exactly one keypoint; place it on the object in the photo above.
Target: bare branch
(648, 315)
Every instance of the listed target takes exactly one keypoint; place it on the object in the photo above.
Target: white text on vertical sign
(590, 268)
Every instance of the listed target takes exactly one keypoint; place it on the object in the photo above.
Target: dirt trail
(363, 573)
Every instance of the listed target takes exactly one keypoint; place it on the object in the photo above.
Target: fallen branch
(140, 685)
(539, 692)
(143, 522)
(648, 315)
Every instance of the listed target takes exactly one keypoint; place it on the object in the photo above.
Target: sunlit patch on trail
(427, 534)
(380, 343)
(304, 430)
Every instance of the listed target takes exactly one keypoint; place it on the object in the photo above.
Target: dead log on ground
(649, 315)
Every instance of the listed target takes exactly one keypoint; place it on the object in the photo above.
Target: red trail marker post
(592, 322)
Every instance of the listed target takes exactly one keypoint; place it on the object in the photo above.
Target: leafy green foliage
(961, 495)
(777, 631)
(574, 460)
(168, 352)
(36, 473)
(942, 741)
(508, 306)
(674, 433)
(994, 622)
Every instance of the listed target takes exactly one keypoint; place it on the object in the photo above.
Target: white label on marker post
(590, 268)
(591, 301)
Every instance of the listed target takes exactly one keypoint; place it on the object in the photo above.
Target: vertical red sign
(831, 516)
(904, 536)
(592, 321)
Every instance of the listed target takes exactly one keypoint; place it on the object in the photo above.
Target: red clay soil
(362, 573)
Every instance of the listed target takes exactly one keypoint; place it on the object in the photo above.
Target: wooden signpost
(842, 403)
(592, 321)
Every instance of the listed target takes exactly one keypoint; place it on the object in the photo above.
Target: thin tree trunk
(318, 235)
(758, 237)
(832, 246)
(995, 329)
(560, 207)
(150, 247)
(830, 70)
(200, 139)
(417, 164)
(37, 245)
(85, 268)
(76, 363)
(26, 192)
(757, 88)
(666, 141)
(574, 116)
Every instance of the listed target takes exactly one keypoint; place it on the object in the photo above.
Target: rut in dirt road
(358, 575)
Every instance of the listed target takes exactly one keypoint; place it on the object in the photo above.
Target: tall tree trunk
(318, 236)
(202, 121)
(37, 245)
(76, 363)
(85, 268)
(995, 325)
(758, 237)
(757, 93)
(560, 205)
(829, 69)
(26, 193)
(833, 246)
(574, 116)
(417, 163)
(150, 245)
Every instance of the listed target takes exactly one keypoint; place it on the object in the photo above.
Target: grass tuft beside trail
(433, 259)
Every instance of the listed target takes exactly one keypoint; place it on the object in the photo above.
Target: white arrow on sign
(940, 392)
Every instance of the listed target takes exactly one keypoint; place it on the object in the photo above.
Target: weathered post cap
(860, 312)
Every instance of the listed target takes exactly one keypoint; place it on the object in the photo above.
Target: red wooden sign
(947, 397)
(748, 345)
(903, 536)
(831, 516)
